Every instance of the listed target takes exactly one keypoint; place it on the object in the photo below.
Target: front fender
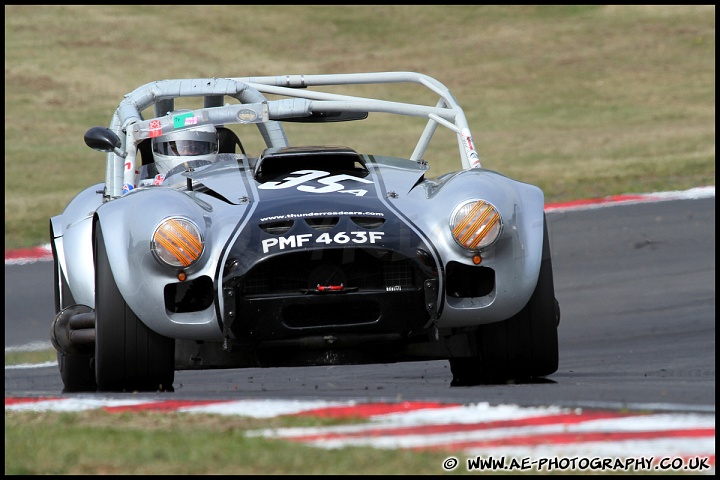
(515, 258)
(128, 224)
(71, 234)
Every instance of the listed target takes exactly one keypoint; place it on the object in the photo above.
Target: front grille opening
(322, 223)
(338, 314)
(189, 296)
(397, 276)
(362, 269)
(277, 228)
(368, 222)
(469, 280)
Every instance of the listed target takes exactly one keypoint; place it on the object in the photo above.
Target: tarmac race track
(635, 278)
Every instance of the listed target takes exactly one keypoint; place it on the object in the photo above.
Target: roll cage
(297, 103)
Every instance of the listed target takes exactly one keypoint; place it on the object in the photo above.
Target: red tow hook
(328, 289)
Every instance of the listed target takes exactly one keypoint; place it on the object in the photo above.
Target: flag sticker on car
(184, 120)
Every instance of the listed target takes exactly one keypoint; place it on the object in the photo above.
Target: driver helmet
(190, 144)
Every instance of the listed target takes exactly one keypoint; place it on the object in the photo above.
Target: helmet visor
(185, 148)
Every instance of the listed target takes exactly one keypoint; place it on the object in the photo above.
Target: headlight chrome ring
(177, 242)
(476, 224)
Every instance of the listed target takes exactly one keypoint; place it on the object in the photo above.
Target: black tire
(128, 355)
(77, 370)
(522, 347)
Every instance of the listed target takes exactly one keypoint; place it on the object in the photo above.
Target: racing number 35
(332, 182)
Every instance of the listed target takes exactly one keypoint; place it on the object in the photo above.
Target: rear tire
(522, 347)
(128, 355)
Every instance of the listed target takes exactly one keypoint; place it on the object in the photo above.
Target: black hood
(318, 199)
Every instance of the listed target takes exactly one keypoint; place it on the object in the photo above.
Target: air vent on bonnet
(322, 223)
(368, 222)
(277, 228)
(276, 162)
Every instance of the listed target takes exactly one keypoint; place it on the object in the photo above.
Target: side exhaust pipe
(73, 330)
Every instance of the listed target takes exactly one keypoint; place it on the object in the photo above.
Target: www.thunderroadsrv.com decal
(329, 213)
(308, 239)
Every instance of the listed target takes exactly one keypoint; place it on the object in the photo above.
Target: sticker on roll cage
(331, 182)
(155, 128)
(469, 146)
(309, 239)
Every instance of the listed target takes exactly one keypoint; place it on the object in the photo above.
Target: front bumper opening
(361, 269)
(363, 291)
(469, 280)
(189, 296)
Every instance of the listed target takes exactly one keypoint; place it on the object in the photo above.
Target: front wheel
(522, 347)
(128, 355)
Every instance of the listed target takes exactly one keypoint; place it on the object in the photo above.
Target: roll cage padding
(130, 111)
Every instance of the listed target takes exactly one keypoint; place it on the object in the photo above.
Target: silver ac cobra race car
(304, 254)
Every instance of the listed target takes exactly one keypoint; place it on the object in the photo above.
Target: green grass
(37, 356)
(583, 101)
(97, 442)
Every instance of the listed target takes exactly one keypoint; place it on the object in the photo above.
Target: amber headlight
(177, 242)
(475, 224)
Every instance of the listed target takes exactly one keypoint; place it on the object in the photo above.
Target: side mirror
(102, 139)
